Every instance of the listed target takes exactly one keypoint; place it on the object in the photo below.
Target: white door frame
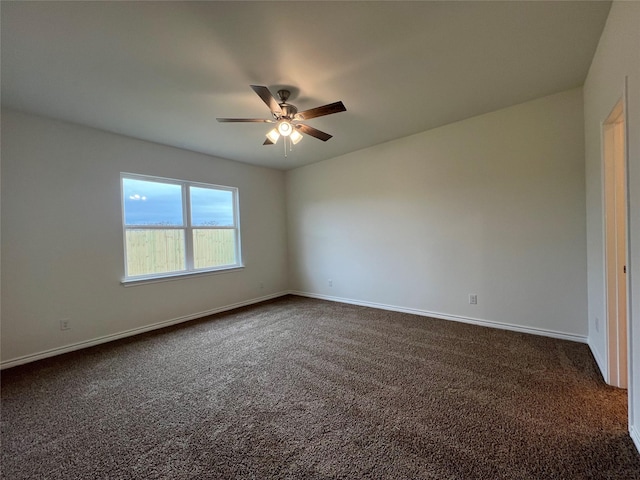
(616, 242)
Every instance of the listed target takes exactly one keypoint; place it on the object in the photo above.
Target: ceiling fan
(287, 118)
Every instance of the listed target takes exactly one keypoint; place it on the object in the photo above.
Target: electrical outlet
(597, 324)
(261, 285)
(65, 324)
(330, 283)
(473, 299)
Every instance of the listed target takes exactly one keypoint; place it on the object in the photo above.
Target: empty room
(320, 240)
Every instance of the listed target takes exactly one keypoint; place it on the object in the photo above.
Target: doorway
(615, 214)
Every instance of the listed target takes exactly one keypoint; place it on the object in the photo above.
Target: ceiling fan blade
(268, 142)
(321, 111)
(314, 132)
(257, 120)
(265, 95)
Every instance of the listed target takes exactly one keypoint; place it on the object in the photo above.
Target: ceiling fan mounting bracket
(284, 95)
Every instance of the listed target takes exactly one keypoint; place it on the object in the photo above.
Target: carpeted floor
(305, 389)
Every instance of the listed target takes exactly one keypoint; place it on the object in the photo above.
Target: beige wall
(617, 58)
(493, 206)
(62, 245)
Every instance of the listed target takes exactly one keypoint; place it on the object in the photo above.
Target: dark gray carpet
(305, 389)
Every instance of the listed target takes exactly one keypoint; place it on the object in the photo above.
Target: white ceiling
(164, 71)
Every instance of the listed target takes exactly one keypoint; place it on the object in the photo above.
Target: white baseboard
(135, 331)
(601, 365)
(128, 333)
(635, 436)
(455, 318)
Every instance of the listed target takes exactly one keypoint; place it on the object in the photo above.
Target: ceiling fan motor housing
(288, 111)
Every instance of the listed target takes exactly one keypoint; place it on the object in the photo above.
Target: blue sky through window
(156, 203)
(211, 207)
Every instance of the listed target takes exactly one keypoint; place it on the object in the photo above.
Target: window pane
(152, 203)
(213, 248)
(211, 207)
(154, 251)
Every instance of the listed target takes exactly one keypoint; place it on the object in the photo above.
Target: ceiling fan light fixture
(285, 128)
(273, 135)
(295, 137)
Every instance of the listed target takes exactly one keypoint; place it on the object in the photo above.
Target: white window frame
(189, 270)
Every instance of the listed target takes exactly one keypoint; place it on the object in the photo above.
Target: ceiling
(163, 71)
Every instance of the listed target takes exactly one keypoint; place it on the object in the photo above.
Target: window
(174, 227)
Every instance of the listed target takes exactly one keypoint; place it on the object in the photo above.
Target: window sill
(132, 282)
